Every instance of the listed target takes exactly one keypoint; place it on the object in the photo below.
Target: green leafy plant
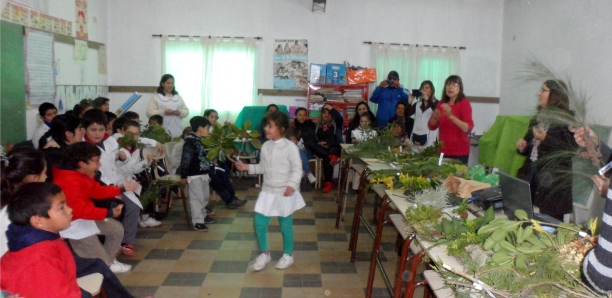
(246, 137)
(463, 209)
(423, 214)
(220, 143)
(129, 141)
(156, 132)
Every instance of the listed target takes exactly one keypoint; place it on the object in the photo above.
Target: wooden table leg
(376, 248)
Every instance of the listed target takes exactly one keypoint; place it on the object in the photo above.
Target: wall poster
(291, 64)
(81, 19)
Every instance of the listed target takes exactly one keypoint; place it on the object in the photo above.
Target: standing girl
(279, 196)
(169, 105)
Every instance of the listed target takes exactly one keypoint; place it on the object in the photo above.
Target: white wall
(69, 72)
(334, 36)
(573, 37)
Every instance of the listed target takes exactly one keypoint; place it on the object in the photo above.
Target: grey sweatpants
(130, 220)
(199, 194)
(90, 247)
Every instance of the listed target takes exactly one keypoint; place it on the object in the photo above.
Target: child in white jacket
(282, 167)
(135, 165)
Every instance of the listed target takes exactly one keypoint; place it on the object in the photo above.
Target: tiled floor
(171, 261)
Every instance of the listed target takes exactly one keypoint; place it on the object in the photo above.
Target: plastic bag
(492, 179)
(475, 173)
(361, 76)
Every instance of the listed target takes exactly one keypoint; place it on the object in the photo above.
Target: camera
(389, 83)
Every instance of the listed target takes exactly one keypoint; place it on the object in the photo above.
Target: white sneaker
(261, 261)
(311, 178)
(149, 222)
(284, 262)
(118, 267)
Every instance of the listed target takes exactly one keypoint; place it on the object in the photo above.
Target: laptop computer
(516, 194)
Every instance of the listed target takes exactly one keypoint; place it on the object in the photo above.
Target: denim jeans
(306, 155)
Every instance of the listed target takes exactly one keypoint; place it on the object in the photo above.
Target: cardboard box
(317, 73)
(336, 74)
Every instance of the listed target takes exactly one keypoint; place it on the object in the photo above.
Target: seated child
(399, 129)
(110, 118)
(194, 172)
(177, 151)
(117, 131)
(47, 112)
(39, 264)
(212, 116)
(135, 165)
(156, 120)
(363, 132)
(22, 165)
(76, 178)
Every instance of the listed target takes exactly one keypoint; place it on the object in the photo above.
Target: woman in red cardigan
(454, 118)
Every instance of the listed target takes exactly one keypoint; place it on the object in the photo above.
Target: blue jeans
(306, 155)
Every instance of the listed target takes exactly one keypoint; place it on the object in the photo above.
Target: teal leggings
(286, 227)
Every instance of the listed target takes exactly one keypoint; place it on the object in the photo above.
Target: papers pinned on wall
(80, 51)
(39, 62)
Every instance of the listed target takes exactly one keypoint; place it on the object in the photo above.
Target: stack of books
(350, 112)
(334, 96)
(316, 97)
(353, 95)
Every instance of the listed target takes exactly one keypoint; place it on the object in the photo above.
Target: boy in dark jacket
(194, 172)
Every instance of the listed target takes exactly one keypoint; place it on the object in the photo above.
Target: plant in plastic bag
(220, 143)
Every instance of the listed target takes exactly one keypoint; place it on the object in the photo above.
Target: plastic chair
(92, 284)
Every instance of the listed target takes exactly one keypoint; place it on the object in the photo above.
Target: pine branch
(579, 281)
(573, 292)
(485, 286)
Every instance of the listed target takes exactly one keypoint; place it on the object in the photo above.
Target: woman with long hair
(401, 114)
(170, 105)
(453, 117)
(422, 110)
(327, 146)
(549, 146)
(361, 108)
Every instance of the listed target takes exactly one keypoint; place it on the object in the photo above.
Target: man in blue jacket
(387, 95)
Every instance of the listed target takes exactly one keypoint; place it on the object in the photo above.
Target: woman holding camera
(454, 118)
(422, 110)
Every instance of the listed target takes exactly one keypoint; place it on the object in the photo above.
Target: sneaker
(200, 227)
(209, 211)
(236, 203)
(118, 267)
(311, 178)
(127, 249)
(261, 261)
(209, 220)
(285, 261)
(328, 187)
(149, 222)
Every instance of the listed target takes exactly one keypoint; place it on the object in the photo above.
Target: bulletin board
(12, 84)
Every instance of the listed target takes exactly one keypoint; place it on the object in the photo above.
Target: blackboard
(12, 85)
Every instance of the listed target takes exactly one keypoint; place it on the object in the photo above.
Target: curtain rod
(405, 44)
(209, 36)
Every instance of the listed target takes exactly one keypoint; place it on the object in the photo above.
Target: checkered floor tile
(171, 261)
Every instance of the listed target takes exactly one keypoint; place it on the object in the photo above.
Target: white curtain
(414, 65)
(212, 73)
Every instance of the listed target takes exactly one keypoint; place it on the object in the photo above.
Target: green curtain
(213, 73)
(414, 65)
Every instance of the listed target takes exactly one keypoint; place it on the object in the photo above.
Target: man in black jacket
(194, 172)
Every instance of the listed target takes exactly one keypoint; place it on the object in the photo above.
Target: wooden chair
(179, 191)
(92, 284)
(318, 169)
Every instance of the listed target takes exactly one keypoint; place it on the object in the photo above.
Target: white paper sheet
(132, 196)
(80, 51)
(80, 228)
